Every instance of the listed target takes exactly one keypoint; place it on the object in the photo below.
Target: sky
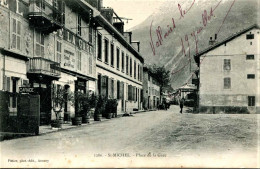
(138, 10)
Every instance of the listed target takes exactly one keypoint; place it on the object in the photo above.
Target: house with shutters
(229, 73)
(151, 88)
(119, 64)
(47, 45)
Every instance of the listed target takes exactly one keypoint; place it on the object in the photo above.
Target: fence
(26, 116)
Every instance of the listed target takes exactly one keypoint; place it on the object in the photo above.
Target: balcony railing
(46, 16)
(43, 66)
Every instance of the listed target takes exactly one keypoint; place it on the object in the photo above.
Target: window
(16, 34)
(112, 88)
(65, 35)
(118, 58)
(58, 54)
(79, 60)
(112, 55)
(90, 64)
(227, 83)
(130, 66)
(129, 92)
(118, 89)
(126, 64)
(123, 62)
(251, 43)
(104, 86)
(106, 51)
(25, 83)
(40, 4)
(99, 50)
(79, 25)
(135, 69)
(250, 36)
(227, 64)
(251, 76)
(71, 38)
(251, 100)
(39, 44)
(250, 57)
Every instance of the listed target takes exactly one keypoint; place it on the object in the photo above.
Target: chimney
(216, 36)
(108, 14)
(136, 44)
(128, 36)
(119, 26)
(212, 42)
(100, 4)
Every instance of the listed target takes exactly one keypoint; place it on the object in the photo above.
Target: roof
(188, 86)
(226, 40)
(107, 25)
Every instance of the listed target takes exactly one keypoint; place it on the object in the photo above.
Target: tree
(161, 75)
(59, 97)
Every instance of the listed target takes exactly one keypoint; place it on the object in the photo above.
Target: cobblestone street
(164, 138)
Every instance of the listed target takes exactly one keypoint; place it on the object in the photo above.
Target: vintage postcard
(129, 83)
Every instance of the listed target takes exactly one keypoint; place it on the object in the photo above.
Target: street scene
(129, 83)
(200, 139)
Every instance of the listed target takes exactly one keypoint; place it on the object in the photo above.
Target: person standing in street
(181, 104)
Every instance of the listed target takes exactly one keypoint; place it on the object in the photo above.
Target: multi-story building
(151, 88)
(47, 44)
(229, 74)
(118, 64)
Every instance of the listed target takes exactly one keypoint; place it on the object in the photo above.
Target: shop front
(41, 74)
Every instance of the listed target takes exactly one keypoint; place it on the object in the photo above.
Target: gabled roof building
(229, 74)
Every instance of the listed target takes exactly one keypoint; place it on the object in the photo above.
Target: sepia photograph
(129, 84)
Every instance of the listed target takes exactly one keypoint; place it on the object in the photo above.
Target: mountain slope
(228, 17)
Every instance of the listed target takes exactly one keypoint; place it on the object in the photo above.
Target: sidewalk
(66, 126)
(48, 129)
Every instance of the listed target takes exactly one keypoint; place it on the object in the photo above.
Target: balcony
(42, 66)
(46, 16)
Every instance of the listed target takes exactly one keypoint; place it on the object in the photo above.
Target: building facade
(229, 74)
(151, 88)
(47, 45)
(118, 64)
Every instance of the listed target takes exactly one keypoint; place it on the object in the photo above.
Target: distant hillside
(238, 14)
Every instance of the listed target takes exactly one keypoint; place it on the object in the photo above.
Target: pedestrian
(181, 104)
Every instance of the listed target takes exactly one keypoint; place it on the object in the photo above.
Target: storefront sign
(26, 90)
(69, 59)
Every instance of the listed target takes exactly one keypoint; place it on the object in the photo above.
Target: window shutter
(129, 92)
(141, 95)
(109, 88)
(115, 89)
(8, 81)
(112, 88)
(133, 93)
(4, 83)
(121, 90)
(118, 90)
(104, 85)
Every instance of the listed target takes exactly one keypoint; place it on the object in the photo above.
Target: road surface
(149, 139)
